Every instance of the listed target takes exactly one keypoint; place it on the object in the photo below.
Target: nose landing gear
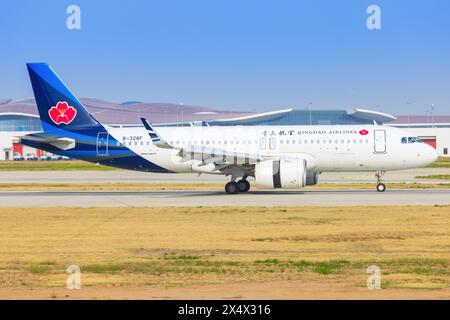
(381, 187)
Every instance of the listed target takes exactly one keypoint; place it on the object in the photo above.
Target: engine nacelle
(281, 173)
(312, 178)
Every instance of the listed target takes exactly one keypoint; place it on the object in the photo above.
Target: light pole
(408, 104)
(307, 108)
(432, 115)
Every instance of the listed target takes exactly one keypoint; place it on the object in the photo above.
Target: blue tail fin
(58, 107)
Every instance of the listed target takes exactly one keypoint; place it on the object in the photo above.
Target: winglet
(156, 139)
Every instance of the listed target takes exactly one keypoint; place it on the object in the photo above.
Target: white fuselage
(325, 148)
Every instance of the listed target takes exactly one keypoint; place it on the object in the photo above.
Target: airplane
(288, 156)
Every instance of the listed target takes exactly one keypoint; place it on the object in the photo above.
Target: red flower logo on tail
(62, 113)
(363, 132)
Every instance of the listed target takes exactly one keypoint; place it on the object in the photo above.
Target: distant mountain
(126, 103)
(130, 112)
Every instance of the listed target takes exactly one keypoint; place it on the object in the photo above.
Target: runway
(142, 177)
(219, 198)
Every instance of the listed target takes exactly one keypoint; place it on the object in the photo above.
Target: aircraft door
(380, 141)
(102, 143)
(272, 143)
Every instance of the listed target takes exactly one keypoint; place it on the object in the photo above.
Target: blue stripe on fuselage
(118, 155)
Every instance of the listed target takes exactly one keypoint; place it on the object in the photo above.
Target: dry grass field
(233, 252)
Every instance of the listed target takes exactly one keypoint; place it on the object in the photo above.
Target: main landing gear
(233, 187)
(381, 187)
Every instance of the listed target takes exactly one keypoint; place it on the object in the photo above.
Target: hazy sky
(236, 54)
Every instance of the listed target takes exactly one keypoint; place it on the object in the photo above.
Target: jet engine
(284, 173)
(312, 178)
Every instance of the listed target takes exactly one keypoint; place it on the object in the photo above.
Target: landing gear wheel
(243, 185)
(381, 187)
(231, 187)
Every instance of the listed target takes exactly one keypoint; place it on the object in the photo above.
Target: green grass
(441, 162)
(393, 270)
(39, 269)
(435, 176)
(329, 267)
(104, 268)
(59, 165)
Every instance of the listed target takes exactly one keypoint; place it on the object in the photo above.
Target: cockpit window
(411, 140)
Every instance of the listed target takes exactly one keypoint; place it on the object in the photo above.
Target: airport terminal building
(20, 118)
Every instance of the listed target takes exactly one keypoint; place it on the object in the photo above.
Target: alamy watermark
(374, 278)
(373, 22)
(73, 21)
(74, 278)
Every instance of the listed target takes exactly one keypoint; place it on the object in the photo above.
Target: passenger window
(262, 143)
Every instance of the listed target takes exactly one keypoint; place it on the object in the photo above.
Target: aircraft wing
(218, 156)
(221, 159)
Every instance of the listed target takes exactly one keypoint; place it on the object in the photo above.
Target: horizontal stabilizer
(62, 143)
